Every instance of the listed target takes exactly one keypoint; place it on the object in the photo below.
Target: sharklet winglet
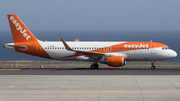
(68, 48)
(66, 45)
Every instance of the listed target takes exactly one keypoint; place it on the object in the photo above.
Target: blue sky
(93, 14)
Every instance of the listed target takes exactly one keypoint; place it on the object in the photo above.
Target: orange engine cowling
(115, 61)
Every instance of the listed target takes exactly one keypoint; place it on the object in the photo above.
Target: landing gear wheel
(94, 66)
(153, 67)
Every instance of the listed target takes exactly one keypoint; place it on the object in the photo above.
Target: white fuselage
(57, 51)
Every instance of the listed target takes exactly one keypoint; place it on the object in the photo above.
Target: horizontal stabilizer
(15, 46)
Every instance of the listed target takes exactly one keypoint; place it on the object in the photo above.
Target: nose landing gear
(153, 67)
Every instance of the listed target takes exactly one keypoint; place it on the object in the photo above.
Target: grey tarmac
(84, 84)
(89, 88)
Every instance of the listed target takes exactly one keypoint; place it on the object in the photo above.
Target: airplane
(113, 54)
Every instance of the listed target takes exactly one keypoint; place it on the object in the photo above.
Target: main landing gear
(94, 66)
(153, 67)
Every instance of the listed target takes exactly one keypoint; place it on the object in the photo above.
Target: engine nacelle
(115, 61)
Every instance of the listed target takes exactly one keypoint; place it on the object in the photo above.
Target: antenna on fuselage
(150, 40)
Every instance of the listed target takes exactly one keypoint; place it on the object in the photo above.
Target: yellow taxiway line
(10, 69)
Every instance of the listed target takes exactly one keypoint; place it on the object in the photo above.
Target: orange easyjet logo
(18, 27)
(136, 45)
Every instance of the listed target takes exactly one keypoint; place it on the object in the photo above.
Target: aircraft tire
(153, 67)
(94, 66)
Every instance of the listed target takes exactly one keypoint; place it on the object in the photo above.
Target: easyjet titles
(18, 27)
(136, 45)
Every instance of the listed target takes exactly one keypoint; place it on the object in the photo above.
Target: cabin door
(153, 48)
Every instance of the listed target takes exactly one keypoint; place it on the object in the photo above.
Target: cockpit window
(165, 48)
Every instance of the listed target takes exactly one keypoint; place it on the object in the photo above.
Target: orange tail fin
(20, 32)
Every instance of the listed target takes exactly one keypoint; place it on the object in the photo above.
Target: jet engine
(115, 61)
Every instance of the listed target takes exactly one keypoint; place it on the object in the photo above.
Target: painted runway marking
(11, 86)
(10, 69)
(14, 69)
(3, 69)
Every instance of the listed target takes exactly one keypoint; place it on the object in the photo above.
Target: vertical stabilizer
(20, 32)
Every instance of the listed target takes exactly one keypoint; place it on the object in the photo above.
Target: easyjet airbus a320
(111, 53)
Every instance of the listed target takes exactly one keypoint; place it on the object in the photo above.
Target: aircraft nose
(173, 54)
